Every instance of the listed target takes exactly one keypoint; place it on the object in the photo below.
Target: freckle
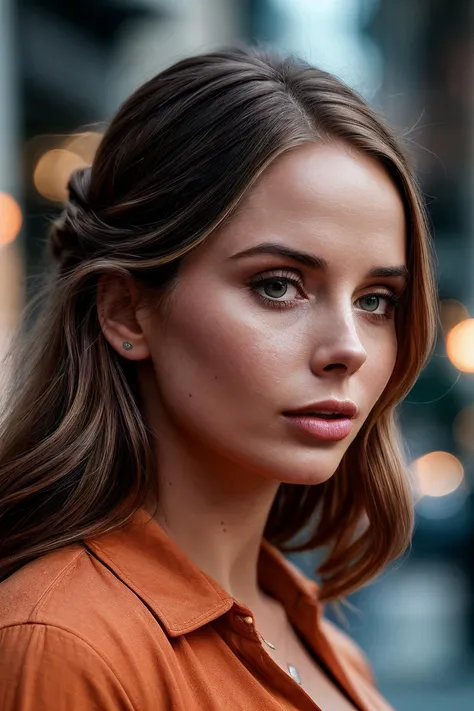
(169, 483)
(190, 395)
(225, 530)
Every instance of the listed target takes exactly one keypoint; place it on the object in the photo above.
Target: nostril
(335, 366)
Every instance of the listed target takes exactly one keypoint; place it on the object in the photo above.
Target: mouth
(328, 421)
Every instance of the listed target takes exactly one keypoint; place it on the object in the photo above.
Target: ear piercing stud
(127, 345)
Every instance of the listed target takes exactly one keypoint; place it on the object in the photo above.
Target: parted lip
(345, 408)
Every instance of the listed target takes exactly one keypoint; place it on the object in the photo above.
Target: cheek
(380, 364)
(224, 362)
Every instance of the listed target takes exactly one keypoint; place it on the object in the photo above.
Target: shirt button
(248, 620)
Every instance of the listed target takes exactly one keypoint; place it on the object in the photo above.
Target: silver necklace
(292, 670)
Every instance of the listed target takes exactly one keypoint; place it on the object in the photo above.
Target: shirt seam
(62, 573)
(74, 635)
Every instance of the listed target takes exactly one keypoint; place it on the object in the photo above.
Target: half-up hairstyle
(176, 160)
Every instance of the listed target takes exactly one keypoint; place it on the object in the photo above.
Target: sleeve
(46, 668)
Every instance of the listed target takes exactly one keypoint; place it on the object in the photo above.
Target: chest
(314, 680)
(223, 666)
(219, 669)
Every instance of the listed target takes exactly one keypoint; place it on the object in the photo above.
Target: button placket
(267, 664)
(246, 627)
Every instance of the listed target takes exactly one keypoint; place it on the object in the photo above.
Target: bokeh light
(438, 474)
(10, 219)
(53, 170)
(460, 345)
(84, 145)
(452, 312)
(463, 428)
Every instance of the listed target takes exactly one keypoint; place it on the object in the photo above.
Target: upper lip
(337, 407)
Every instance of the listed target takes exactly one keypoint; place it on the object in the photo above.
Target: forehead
(326, 198)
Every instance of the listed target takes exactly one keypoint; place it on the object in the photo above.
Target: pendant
(293, 672)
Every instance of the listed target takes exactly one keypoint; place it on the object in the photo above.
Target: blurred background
(64, 69)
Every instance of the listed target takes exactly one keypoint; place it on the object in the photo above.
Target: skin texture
(218, 366)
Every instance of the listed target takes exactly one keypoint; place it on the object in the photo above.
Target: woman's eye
(376, 303)
(275, 288)
(371, 302)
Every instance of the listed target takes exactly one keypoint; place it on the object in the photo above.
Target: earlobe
(117, 299)
(136, 349)
(129, 344)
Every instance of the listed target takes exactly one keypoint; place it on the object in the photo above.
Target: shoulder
(27, 592)
(78, 625)
(67, 588)
(73, 590)
(54, 669)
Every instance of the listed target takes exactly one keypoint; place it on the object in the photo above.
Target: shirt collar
(179, 593)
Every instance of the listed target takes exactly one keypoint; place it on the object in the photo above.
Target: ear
(118, 298)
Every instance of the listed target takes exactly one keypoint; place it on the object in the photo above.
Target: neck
(216, 513)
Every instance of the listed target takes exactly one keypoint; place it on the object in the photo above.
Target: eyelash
(289, 278)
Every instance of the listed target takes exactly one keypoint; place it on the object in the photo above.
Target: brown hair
(75, 454)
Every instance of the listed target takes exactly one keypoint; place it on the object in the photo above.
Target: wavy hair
(174, 163)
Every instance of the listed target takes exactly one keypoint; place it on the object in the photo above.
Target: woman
(242, 294)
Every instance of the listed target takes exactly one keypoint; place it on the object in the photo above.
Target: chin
(308, 479)
(310, 470)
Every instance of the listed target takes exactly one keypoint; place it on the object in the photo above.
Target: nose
(338, 349)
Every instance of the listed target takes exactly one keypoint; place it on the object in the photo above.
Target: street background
(65, 66)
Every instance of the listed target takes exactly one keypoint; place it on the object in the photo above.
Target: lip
(346, 408)
(323, 428)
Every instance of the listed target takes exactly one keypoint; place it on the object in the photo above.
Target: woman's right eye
(278, 290)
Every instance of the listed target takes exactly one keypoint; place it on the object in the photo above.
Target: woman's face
(287, 310)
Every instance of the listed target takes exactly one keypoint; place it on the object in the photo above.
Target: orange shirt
(127, 622)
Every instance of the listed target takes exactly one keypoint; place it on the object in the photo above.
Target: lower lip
(327, 430)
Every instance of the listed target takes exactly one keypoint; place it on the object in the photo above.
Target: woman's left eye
(377, 304)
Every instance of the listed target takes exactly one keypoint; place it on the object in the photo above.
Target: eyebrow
(314, 262)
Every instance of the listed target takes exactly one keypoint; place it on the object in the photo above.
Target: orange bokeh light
(53, 171)
(438, 474)
(460, 345)
(84, 144)
(10, 219)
